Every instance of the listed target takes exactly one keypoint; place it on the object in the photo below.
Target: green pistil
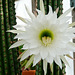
(46, 33)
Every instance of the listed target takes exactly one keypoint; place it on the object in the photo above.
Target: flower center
(46, 36)
(46, 40)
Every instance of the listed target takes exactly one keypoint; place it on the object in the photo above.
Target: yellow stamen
(46, 40)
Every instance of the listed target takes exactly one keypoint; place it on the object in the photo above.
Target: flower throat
(46, 36)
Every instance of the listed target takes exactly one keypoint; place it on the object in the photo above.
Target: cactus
(12, 21)
(9, 65)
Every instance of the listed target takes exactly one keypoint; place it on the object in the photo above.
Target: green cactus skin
(60, 5)
(38, 4)
(12, 21)
(46, 6)
(42, 72)
(2, 43)
(55, 69)
(37, 69)
(9, 65)
(55, 4)
(50, 2)
(7, 39)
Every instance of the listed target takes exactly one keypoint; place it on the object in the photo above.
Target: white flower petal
(42, 6)
(72, 24)
(39, 12)
(64, 60)
(32, 16)
(29, 61)
(71, 30)
(58, 61)
(45, 66)
(29, 46)
(35, 51)
(18, 43)
(50, 10)
(25, 55)
(15, 31)
(51, 67)
(43, 53)
(66, 13)
(57, 10)
(65, 19)
(18, 26)
(21, 54)
(37, 58)
(70, 47)
(49, 59)
(19, 36)
(22, 19)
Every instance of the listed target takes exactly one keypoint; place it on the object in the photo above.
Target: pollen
(46, 40)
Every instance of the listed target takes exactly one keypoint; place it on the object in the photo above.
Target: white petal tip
(7, 31)
(50, 6)
(60, 67)
(10, 47)
(72, 7)
(18, 58)
(33, 65)
(24, 68)
(21, 60)
(42, 6)
(15, 37)
(57, 10)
